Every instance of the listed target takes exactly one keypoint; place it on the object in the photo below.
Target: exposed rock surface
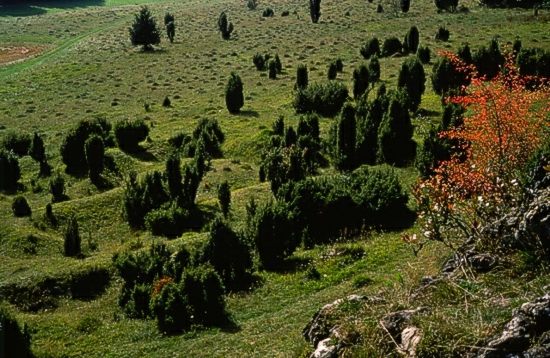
(321, 330)
(530, 321)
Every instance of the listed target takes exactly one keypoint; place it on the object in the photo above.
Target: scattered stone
(410, 338)
(394, 323)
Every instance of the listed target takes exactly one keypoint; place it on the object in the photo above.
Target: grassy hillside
(89, 69)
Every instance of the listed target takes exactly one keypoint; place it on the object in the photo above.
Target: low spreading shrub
(129, 134)
(20, 207)
(325, 99)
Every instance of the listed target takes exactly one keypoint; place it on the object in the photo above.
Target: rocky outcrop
(529, 322)
(322, 331)
(403, 334)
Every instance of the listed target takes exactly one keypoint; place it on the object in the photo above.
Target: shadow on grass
(141, 155)
(39, 7)
(291, 265)
(249, 113)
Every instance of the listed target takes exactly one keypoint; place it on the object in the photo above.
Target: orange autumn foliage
(505, 122)
(504, 125)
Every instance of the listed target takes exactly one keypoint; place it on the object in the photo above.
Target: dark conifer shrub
(379, 8)
(412, 38)
(129, 134)
(465, 54)
(173, 176)
(71, 237)
(9, 170)
(361, 78)
(272, 69)
(18, 143)
(534, 62)
(374, 70)
(405, 5)
(20, 207)
(423, 54)
(16, 340)
(57, 188)
(516, 47)
(230, 256)
(442, 34)
(290, 137)
(224, 197)
(315, 10)
(144, 31)
(332, 71)
(209, 135)
(168, 18)
(431, 153)
(325, 99)
(395, 144)
(488, 59)
(259, 61)
(278, 127)
(278, 64)
(301, 77)
(95, 152)
(234, 98)
(170, 220)
(379, 196)
(344, 152)
(391, 46)
(49, 215)
(251, 4)
(171, 309)
(225, 27)
(166, 102)
(367, 130)
(273, 234)
(171, 31)
(38, 153)
(204, 291)
(446, 78)
(412, 79)
(268, 12)
(339, 65)
(370, 48)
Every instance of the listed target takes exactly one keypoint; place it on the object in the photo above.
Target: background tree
(272, 69)
(344, 153)
(412, 79)
(234, 98)
(315, 10)
(224, 197)
(9, 170)
(405, 5)
(301, 77)
(360, 81)
(173, 176)
(144, 31)
(170, 25)
(412, 39)
(225, 27)
(332, 71)
(395, 144)
(38, 153)
(72, 238)
(57, 188)
(374, 70)
(95, 153)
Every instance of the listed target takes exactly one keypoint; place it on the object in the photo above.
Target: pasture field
(86, 68)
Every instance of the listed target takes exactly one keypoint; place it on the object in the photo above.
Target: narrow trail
(52, 54)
